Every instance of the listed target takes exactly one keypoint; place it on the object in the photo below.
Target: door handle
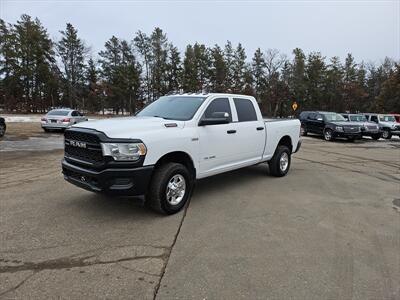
(231, 131)
(260, 128)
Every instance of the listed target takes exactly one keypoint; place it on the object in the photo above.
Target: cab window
(218, 105)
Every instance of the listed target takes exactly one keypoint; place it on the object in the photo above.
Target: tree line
(38, 73)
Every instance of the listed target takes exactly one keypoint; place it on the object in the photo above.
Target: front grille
(92, 153)
(371, 127)
(354, 129)
(82, 137)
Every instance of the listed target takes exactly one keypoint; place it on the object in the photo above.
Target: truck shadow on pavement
(240, 177)
(114, 207)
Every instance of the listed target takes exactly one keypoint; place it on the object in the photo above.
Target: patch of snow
(21, 118)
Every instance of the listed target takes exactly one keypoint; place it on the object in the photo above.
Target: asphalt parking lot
(328, 230)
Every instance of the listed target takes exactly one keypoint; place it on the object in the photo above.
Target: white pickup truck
(172, 142)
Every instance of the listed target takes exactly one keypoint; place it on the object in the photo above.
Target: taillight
(66, 120)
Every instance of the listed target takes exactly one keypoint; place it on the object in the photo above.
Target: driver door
(217, 142)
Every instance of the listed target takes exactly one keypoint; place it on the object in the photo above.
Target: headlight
(339, 128)
(124, 151)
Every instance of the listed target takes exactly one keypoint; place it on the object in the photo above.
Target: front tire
(376, 136)
(170, 188)
(328, 135)
(386, 134)
(279, 165)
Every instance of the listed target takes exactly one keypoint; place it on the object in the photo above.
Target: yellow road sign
(294, 105)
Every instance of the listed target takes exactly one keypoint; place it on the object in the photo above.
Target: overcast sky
(368, 29)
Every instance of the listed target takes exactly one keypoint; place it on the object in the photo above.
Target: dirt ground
(328, 230)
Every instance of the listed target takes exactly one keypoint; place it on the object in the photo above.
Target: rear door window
(245, 110)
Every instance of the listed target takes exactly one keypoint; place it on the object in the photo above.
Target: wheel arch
(286, 141)
(178, 157)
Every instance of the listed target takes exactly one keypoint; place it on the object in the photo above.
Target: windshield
(334, 117)
(58, 113)
(358, 118)
(387, 119)
(173, 108)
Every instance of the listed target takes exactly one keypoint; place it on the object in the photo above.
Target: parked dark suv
(2, 126)
(329, 124)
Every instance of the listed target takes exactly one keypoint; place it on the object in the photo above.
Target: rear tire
(170, 188)
(279, 165)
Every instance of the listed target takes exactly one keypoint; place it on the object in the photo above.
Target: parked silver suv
(387, 124)
(368, 128)
(60, 119)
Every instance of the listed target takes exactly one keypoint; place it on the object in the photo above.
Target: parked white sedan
(60, 119)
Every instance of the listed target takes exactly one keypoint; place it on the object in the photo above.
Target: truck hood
(389, 124)
(129, 127)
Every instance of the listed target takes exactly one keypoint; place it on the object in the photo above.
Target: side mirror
(320, 119)
(217, 118)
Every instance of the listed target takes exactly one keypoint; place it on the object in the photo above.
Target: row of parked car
(333, 125)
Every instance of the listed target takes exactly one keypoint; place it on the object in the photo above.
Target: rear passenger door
(250, 133)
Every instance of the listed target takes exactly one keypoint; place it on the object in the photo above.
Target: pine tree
(189, 74)
(159, 54)
(298, 86)
(218, 70)
(315, 78)
(334, 86)
(229, 57)
(143, 46)
(174, 69)
(238, 67)
(389, 97)
(258, 69)
(121, 74)
(93, 91)
(72, 51)
(34, 59)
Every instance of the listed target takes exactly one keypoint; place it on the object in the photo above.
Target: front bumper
(355, 135)
(371, 132)
(119, 181)
(395, 132)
